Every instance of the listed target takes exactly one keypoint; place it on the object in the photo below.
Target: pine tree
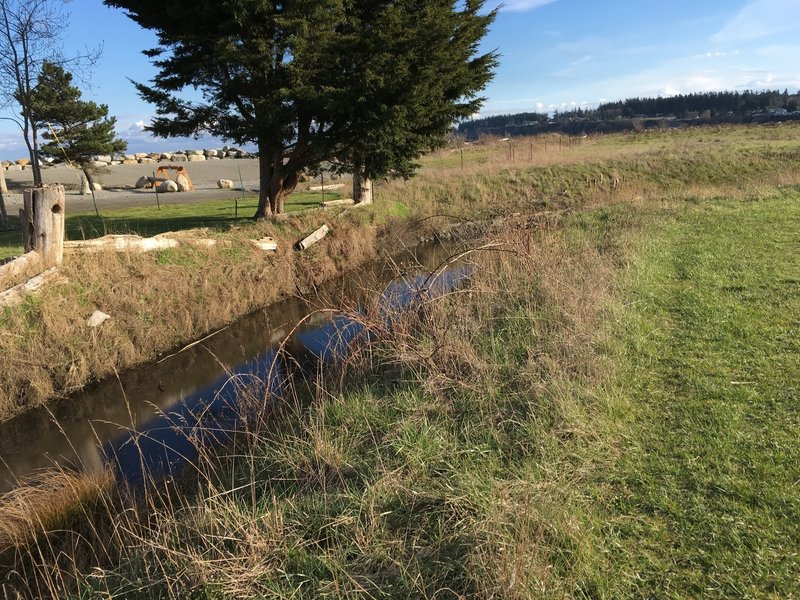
(366, 84)
(72, 128)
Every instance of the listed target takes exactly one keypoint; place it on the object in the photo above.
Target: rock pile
(107, 160)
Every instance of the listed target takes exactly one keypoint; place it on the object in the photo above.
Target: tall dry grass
(436, 461)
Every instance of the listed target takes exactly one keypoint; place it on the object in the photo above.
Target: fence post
(43, 222)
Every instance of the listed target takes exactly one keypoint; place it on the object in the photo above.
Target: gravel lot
(118, 183)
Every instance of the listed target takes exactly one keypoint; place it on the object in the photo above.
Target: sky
(554, 55)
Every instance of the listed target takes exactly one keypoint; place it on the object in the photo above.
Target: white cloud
(760, 18)
(523, 5)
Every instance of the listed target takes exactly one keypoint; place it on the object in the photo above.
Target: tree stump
(43, 222)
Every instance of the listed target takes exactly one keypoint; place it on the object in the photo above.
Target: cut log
(26, 262)
(122, 243)
(313, 238)
(17, 293)
(329, 186)
(45, 208)
(266, 244)
(342, 202)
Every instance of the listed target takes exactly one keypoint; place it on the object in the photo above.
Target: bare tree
(30, 33)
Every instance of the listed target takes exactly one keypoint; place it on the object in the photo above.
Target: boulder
(167, 187)
(6, 163)
(196, 157)
(178, 158)
(147, 161)
(213, 158)
(183, 183)
(194, 153)
(141, 182)
(98, 187)
(115, 162)
(142, 155)
(99, 163)
(14, 168)
(23, 161)
(165, 156)
(129, 157)
(85, 188)
(211, 153)
(225, 184)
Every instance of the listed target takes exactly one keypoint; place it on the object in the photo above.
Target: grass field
(147, 221)
(609, 410)
(705, 499)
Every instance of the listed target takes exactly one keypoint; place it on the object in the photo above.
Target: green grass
(150, 220)
(704, 499)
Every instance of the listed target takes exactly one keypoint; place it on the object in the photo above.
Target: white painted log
(46, 205)
(341, 202)
(313, 238)
(326, 187)
(266, 244)
(122, 243)
(24, 263)
(17, 293)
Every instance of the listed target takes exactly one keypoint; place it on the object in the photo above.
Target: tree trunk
(89, 179)
(35, 164)
(275, 184)
(362, 187)
(3, 191)
(264, 176)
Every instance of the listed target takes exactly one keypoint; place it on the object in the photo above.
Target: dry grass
(445, 475)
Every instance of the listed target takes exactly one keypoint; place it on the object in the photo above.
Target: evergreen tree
(367, 84)
(72, 128)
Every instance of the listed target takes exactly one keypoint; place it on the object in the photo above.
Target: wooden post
(44, 216)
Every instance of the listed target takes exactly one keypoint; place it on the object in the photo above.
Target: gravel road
(118, 184)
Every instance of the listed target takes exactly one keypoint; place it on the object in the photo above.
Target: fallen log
(15, 294)
(341, 202)
(313, 238)
(122, 243)
(20, 265)
(330, 186)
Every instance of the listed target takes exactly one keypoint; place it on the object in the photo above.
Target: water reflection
(146, 421)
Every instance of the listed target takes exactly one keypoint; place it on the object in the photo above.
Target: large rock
(23, 161)
(178, 158)
(98, 187)
(165, 156)
(129, 157)
(14, 168)
(196, 157)
(142, 155)
(130, 161)
(183, 183)
(210, 153)
(147, 161)
(194, 153)
(225, 184)
(141, 182)
(167, 187)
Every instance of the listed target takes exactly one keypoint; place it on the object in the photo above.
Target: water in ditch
(145, 421)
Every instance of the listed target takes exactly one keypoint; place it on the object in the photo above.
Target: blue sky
(555, 54)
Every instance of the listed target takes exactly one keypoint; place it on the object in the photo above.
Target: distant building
(777, 111)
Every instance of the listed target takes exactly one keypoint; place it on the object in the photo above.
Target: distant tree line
(717, 103)
(641, 113)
